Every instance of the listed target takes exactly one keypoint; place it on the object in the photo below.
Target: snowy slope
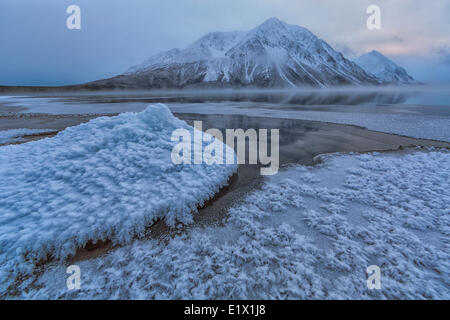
(274, 54)
(107, 179)
(213, 45)
(309, 232)
(383, 68)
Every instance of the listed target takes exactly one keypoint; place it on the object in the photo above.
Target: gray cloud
(346, 50)
(443, 54)
(397, 39)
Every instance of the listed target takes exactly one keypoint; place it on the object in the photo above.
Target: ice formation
(308, 233)
(109, 178)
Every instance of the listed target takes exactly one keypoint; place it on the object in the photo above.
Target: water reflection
(284, 97)
(299, 141)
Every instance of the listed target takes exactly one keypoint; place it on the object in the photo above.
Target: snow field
(310, 232)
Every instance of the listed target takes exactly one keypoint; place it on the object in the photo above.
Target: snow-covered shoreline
(310, 232)
(16, 135)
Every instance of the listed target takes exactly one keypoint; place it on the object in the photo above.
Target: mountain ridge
(383, 68)
(273, 54)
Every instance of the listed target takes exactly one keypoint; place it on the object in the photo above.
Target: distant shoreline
(87, 87)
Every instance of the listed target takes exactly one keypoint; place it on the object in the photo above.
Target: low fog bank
(75, 89)
(348, 95)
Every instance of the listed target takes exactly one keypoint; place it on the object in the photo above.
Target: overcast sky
(36, 48)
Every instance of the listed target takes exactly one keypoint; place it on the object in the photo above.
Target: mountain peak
(272, 22)
(274, 33)
(276, 25)
(375, 52)
(378, 55)
(383, 68)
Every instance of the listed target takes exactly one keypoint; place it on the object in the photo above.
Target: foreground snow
(16, 135)
(308, 233)
(107, 179)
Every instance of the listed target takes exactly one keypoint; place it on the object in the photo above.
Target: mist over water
(416, 111)
(427, 95)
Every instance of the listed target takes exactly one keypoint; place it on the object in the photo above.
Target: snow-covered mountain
(383, 68)
(274, 54)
